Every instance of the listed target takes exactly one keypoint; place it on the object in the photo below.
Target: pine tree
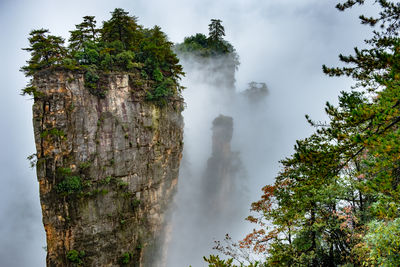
(123, 28)
(216, 30)
(85, 32)
(46, 50)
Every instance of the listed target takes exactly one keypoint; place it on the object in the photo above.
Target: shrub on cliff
(76, 257)
(69, 183)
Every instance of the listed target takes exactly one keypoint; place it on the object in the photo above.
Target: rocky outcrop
(224, 174)
(107, 168)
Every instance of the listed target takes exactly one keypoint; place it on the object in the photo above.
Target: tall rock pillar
(107, 168)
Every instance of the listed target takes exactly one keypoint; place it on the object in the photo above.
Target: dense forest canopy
(336, 201)
(120, 45)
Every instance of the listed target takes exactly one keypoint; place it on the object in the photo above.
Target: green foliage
(125, 259)
(125, 60)
(85, 32)
(85, 165)
(157, 75)
(205, 47)
(215, 261)
(383, 242)
(135, 203)
(69, 64)
(129, 257)
(256, 91)
(336, 201)
(63, 171)
(52, 132)
(216, 30)
(32, 160)
(88, 55)
(107, 62)
(123, 28)
(213, 46)
(74, 256)
(46, 51)
(144, 74)
(121, 45)
(106, 180)
(91, 78)
(69, 184)
(161, 93)
(32, 91)
(195, 43)
(122, 184)
(104, 192)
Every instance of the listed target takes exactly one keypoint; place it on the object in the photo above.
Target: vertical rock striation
(107, 168)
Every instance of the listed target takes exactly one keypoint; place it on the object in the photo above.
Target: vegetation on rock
(120, 45)
(75, 256)
(69, 183)
(212, 46)
(336, 201)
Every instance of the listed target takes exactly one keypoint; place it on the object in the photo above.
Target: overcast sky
(283, 43)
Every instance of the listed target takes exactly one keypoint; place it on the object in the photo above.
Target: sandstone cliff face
(107, 168)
